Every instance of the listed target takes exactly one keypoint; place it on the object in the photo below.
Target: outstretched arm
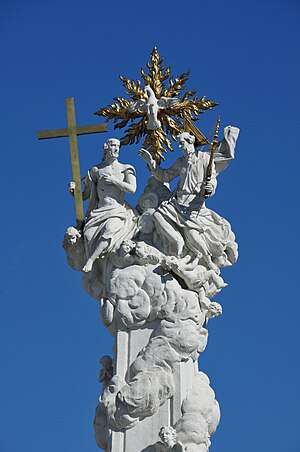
(163, 175)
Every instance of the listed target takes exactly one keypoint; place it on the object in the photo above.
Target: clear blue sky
(244, 55)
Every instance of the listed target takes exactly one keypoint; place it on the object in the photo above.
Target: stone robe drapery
(186, 212)
(100, 214)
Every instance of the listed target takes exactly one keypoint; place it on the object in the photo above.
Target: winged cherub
(151, 107)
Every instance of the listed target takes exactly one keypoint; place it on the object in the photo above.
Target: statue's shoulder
(95, 168)
(178, 447)
(127, 168)
(160, 447)
(93, 172)
(179, 163)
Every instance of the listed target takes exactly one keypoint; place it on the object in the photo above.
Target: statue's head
(71, 237)
(127, 246)
(106, 362)
(111, 149)
(148, 90)
(170, 262)
(168, 435)
(186, 143)
(141, 249)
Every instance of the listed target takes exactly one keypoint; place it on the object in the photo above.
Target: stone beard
(155, 270)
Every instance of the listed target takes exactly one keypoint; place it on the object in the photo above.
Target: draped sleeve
(166, 175)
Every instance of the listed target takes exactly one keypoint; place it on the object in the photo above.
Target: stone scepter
(211, 160)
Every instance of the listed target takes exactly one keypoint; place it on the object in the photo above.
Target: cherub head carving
(168, 435)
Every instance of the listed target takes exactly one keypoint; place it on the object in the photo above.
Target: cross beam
(72, 131)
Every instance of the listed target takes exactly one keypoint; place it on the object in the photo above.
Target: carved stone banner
(155, 269)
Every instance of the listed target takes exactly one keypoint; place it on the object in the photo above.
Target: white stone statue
(155, 271)
(106, 373)
(168, 440)
(151, 107)
(108, 215)
(194, 275)
(184, 223)
(74, 247)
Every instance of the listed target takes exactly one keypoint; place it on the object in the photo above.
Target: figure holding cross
(72, 131)
(110, 220)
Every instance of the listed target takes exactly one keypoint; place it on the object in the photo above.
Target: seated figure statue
(183, 221)
(194, 275)
(110, 220)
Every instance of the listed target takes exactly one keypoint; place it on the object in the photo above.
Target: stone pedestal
(142, 438)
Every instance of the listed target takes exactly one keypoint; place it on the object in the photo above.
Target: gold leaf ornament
(155, 110)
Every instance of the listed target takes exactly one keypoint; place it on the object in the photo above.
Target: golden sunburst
(176, 115)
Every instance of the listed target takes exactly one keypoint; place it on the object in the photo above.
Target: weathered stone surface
(154, 271)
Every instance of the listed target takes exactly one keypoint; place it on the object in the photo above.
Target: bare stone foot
(88, 266)
(219, 282)
(207, 259)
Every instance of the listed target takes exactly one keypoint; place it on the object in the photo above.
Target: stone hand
(208, 188)
(153, 259)
(165, 263)
(147, 157)
(71, 188)
(88, 266)
(108, 179)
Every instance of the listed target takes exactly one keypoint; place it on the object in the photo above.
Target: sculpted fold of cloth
(184, 223)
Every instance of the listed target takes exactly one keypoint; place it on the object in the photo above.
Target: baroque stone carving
(168, 440)
(154, 270)
(151, 107)
(106, 373)
(200, 416)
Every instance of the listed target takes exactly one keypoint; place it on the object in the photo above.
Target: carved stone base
(144, 436)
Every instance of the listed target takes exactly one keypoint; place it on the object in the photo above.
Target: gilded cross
(72, 132)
